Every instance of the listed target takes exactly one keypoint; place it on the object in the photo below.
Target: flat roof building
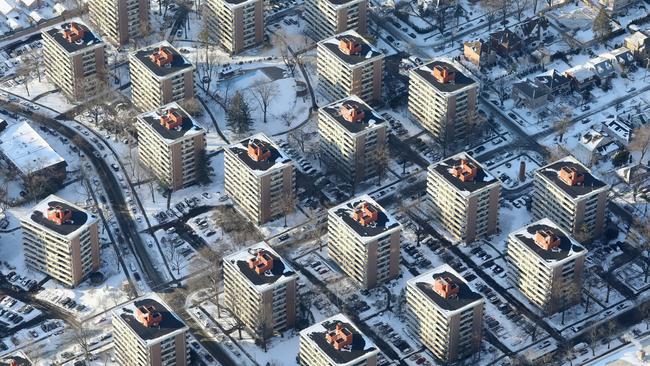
(260, 289)
(352, 139)
(237, 24)
(147, 333)
(327, 18)
(75, 61)
(259, 176)
(445, 313)
(170, 144)
(347, 65)
(336, 341)
(545, 264)
(120, 20)
(61, 239)
(442, 98)
(566, 192)
(364, 240)
(464, 197)
(160, 75)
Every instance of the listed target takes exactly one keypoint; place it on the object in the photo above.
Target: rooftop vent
(73, 33)
(162, 57)
(349, 46)
(59, 215)
(259, 150)
(445, 287)
(262, 262)
(466, 171)
(547, 240)
(570, 176)
(148, 316)
(352, 112)
(340, 337)
(444, 74)
(365, 214)
(171, 119)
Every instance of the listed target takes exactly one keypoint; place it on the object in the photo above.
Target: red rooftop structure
(58, 215)
(148, 316)
(258, 150)
(466, 171)
(162, 57)
(340, 337)
(445, 287)
(349, 46)
(443, 74)
(546, 240)
(73, 33)
(352, 112)
(365, 214)
(171, 119)
(570, 176)
(262, 262)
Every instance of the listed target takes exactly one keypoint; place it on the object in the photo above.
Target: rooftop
(361, 50)
(379, 225)
(464, 295)
(261, 265)
(235, 3)
(74, 36)
(169, 324)
(566, 248)
(462, 78)
(275, 158)
(26, 149)
(587, 182)
(168, 62)
(74, 220)
(359, 349)
(447, 168)
(367, 117)
(342, 2)
(187, 126)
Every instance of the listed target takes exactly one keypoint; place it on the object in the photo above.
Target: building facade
(160, 75)
(327, 18)
(567, 193)
(347, 64)
(120, 20)
(147, 333)
(61, 240)
(443, 98)
(364, 241)
(463, 197)
(237, 24)
(171, 145)
(260, 289)
(352, 139)
(75, 61)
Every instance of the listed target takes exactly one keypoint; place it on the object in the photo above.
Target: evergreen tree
(239, 115)
(601, 25)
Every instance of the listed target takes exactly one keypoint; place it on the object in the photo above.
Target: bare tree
(382, 159)
(562, 126)
(520, 6)
(288, 203)
(264, 93)
(174, 257)
(640, 141)
(287, 118)
(211, 278)
(82, 334)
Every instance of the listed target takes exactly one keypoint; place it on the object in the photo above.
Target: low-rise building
(327, 18)
(617, 6)
(445, 314)
(545, 264)
(236, 24)
(364, 240)
(639, 44)
(531, 94)
(260, 289)
(479, 53)
(120, 20)
(555, 81)
(336, 341)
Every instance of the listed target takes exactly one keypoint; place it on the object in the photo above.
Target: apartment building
(237, 24)
(464, 197)
(442, 98)
(260, 289)
(352, 139)
(567, 193)
(75, 61)
(259, 177)
(147, 333)
(445, 314)
(120, 20)
(347, 64)
(327, 18)
(170, 145)
(364, 241)
(336, 341)
(160, 75)
(61, 239)
(545, 264)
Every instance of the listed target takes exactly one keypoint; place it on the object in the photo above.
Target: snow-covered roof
(280, 273)
(170, 326)
(59, 8)
(29, 3)
(567, 250)
(14, 24)
(367, 54)
(384, 225)
(371, 119)
(79, 221)
(6, 7)
(483, 179)
(592, 139)
(179, 63)
(619, 128)
(26, 149)
(88, 40)
(463, 79)
(590, 184)
(581, 73)
(465, 299)
(277, 160)
(36, 16)
(187, 129)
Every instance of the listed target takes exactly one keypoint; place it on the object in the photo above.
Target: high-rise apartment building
(442, 98)
(464, 197)
(237, 24)
(327, 18)
(170, 145)
(567, 193)
(259, 177)
(75, 60)
(364, 241)
(120, 20)
(352, 139)
(61, 239)
(546, 265)
(260, 289)
(347, 64)
(336, 341)
(445, 314)
(147, 333)
(160, 75)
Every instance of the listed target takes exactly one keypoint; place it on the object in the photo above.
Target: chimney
(352, 112)
(58, 215)
(148, 316)
(171, 119)
(444, 74)
(365, 214)
(258, 150)
(570, 176)
(262, 262)
(466, 171)
(522, 171)
(340, 337)
(73, 33)
(162, 57)
(445, 287)
(349, 46)
(546, 240)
